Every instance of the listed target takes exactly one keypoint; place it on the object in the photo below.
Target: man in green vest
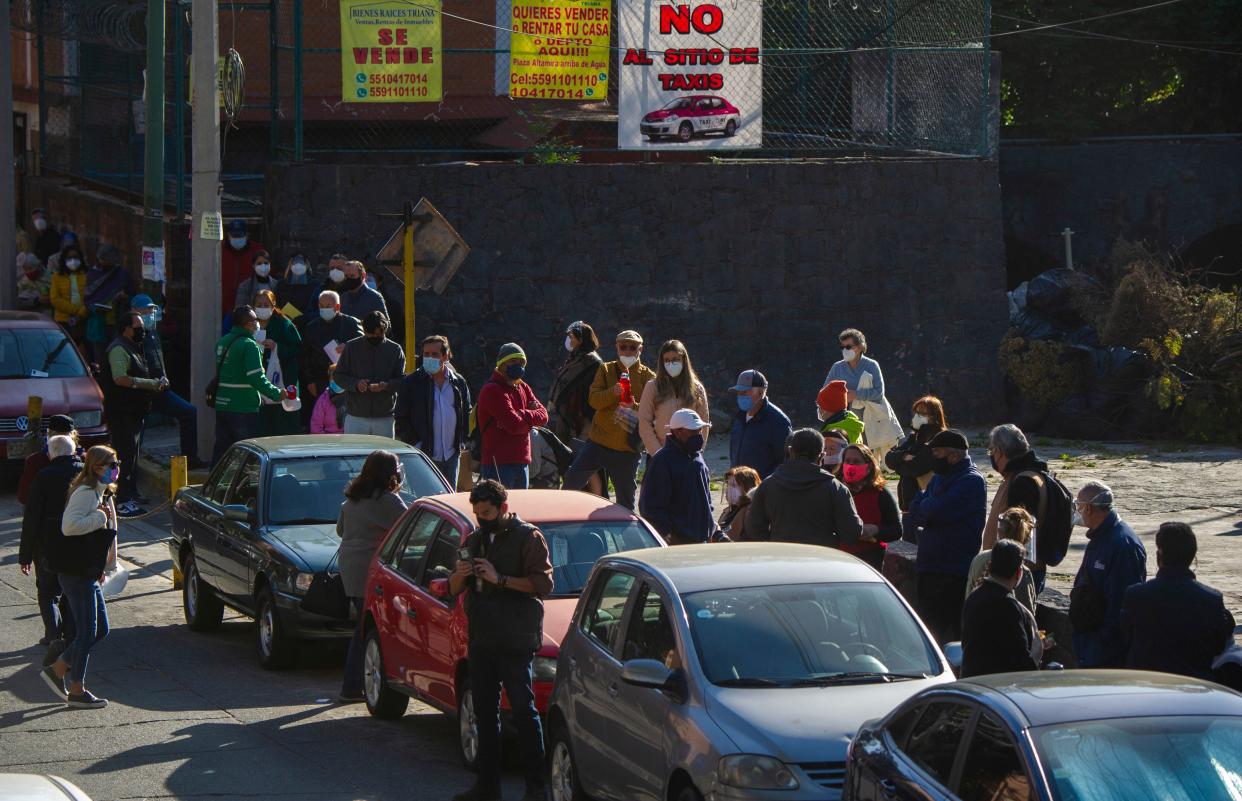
(241, 383)
(128, 393)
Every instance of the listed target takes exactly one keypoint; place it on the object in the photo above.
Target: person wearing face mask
(129, 390)
(833, 416)
(357, 298)
(912, 459)
(864, 383)
(242, 383)
(874, 503)
(298, 292)
(569, 410)
(34, 285)
(370, 369)
(760, 428)
(167, 403)
(68, 293)
(612, 444)
(328, 416)
(328, 330)
(835, 443)
(49, 490)
(947, 520)
(739, 485)
(107, 281)
(261, 279)
(1114, 561)
(46, 237)
(506, 412)
(237, 258)
(505, 580)
(676, 386)
(802, 502)
(1026, 483)
(433, 408)
(677, 494)
(282, 349)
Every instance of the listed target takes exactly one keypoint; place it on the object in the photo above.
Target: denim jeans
(449, 467)
(513, 476)
(233, 427)
(170, 404)
(90, 618)
(351, 684)
(490, 668)
(53, 605)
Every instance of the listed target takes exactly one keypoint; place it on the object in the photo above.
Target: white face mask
(1077, 520)
(262, 269)
(848, 354)
(328, 314)
(259, 334)
(73, 264)
(919, 421)
(263, 312)
(238, 242)
(569, 343)
(336, 275)
(298, 268)
(673, 368)
(733, 494)
(822, 414)
(41, 224)
(832, 458)
(628, 361)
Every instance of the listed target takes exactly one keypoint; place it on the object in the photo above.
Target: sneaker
(479, 792)
(130, 509)
(139, 498)
(351, 698)
(55, 682)
(54, 649)
(85, 700)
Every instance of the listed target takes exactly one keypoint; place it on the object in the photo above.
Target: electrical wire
(1049, 26)
(1074, 33)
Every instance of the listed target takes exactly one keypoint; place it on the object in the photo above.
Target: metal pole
(407, 261)
(179, 102)
(1069, 248)
(297, 81)
(273, 83)
(8, 190)
(153, 163)
(205, 203)
(42, 42)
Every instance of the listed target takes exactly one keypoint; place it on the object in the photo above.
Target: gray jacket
(358, 302)
(361, 525)
(363, 361)
(800, 502)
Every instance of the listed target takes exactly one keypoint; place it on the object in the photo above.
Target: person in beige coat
(676, 387)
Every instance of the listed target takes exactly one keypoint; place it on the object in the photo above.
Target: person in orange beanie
(833, 414)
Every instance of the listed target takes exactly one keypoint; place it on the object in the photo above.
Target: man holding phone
(370, 368)
(505, 571)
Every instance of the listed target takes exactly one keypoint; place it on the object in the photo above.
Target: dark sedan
(263, 525)
(1082, 735)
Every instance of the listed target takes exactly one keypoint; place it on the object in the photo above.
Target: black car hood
(313, 545)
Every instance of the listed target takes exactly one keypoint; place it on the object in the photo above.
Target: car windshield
(1144, 759)
(680, 102)
(311, 489)
(807, 634)
(574, 547)
(38, 353)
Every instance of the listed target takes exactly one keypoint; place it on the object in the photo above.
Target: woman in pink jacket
(328, 416)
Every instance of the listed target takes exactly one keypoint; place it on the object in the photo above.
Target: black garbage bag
(1032, 324)
(1052, 291)
(1113, 396)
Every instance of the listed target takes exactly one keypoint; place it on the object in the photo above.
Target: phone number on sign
(400, 91)
(402, 77)
(551, 94)
(560, 81)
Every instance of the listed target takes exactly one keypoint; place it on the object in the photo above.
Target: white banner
(690, 74)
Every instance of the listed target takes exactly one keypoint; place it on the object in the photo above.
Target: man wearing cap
(358, 299)
(506, 412)
(613, 444)
(129, 389)
(677, 495)
(802, 502)
(760, 428)
(48, 493)
(236, 263)
(57, 424)
(947, 518)
(167, 403)
(370, 369)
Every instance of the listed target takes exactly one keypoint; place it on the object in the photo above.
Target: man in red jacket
(506, 412)
(236, 263)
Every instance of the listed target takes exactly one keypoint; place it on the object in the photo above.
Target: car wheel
(685, 132)
(277, 650)
(730, 127)
(203, 610)
(383, 702)
(467, 728)
(562, 771)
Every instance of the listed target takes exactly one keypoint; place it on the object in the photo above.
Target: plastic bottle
(627, 396)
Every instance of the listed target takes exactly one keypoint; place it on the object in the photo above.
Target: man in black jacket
(331, 329)
(433, 408)
(44, 507)
(997, 631)
(129, 390)
(508, 575)
(370, 370)
(1013, 457)
(802, 502)
(1175, 624)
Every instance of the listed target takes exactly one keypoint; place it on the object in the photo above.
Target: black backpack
(563, 453)
(1055, 518)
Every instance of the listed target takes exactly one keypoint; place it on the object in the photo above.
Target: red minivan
(416, 635)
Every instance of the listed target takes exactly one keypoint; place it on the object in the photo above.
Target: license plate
(20, 448)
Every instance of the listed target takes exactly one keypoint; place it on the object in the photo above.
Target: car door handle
(573, 662)
(888, 787)
(378, 590)
(613, 690)
(412, 614)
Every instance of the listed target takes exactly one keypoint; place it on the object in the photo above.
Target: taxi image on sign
(690, 116)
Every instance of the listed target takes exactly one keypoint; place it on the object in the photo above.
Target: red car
(416, 635)
(37, 359)
(690, 116)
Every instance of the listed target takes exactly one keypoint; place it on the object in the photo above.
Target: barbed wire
(117, 23)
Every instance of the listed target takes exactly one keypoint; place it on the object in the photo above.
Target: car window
(934, 739)
(422, 528)
(220, 480)
(649, 634)
(307, 490)
(31, 352)
(993, 770)
(443, 556)
(245, 489)
(574, 547)
(602, 617)
(899, 729)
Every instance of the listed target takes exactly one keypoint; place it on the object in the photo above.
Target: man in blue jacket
(760, 428)
(948, 516)
(433, 408)
(1114, 561)
(677, 496)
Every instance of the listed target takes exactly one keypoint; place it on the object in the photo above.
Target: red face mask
(854, 472)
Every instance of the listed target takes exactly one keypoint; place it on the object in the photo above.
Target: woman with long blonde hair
(79, 553)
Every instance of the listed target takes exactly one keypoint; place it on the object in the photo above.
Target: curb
(155, 475)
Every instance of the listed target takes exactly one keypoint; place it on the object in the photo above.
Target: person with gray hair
(1114, 561)
(1023, 479)
(44, 507)
(34, 285)
(323, 342)
(802, 502)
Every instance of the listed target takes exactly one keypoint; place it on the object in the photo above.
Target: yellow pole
(407, 258)
(179, 478)
(34, 415)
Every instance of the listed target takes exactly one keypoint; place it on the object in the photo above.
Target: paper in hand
(330, 349)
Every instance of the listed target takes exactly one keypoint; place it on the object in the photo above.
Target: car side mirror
(654, 675)
(953, 653)
(439, 588)
(239, 513)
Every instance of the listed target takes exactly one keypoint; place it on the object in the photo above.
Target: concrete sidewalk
(161, 441)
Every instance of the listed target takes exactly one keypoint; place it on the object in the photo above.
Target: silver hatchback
(736, 671)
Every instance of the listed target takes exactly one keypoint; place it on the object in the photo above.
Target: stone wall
(752, 265)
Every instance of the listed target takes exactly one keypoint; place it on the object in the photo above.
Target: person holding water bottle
(614, 443)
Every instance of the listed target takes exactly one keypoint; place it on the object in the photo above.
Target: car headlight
(301, 581)
(87, 419)
(755, 772)
(544, 669)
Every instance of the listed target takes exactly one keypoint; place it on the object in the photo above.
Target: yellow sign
(559, 49)
(391, 51)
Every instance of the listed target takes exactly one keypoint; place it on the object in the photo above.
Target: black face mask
(693, 443)
(942, 466)
(995, 466)
(489, 526)
(139, 335)
(350, 284)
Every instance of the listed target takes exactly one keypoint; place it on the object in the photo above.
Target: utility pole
(208, 229)
(8, 191)
(153, 167)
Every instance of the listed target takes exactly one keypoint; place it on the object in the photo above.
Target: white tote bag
(273, 374)
(882, 430)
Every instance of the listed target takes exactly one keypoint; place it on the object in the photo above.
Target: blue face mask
(431, 365)
(745, 403)
(335, 388)
(515, 371)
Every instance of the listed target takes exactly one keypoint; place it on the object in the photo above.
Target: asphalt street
(193, 715)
